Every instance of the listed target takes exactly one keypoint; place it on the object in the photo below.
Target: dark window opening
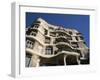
(76, 38)
(61, 40)
(84, 43)
(74, 45)
(36, 26)
(46, 32)
(30, 44)
(28, 31)
(55, 52)
(70, 32)
(52, 34)
(69, 38)
(63, 48)
(33, 32)
(81, 38)
(49, 50)
(47, 40)
(28, 60)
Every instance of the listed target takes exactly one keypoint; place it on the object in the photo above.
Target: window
(69, 38)
(84, 42)
(63, 47)
(61, 39)
(33, 33)
(49, 50)
(70, 32)
(76, 38)
(28, 60)
(52, 34)
(29, 44)
(36, 26)
(74, 45)
(47, 40)
(28, 31)
(46, 32)
(81, 38)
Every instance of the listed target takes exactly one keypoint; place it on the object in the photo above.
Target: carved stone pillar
(78, 61)
(65, 56)
(35, 61)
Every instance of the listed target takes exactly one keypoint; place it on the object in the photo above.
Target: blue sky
(79, 22)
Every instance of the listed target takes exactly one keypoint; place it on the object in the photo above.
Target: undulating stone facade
(50, 45)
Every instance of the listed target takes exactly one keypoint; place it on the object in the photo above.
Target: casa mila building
(51, 45)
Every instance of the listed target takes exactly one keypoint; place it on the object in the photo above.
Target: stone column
(78, 61)
(65, 60)
(35, 61)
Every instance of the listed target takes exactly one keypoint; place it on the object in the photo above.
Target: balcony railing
(53, 34)
(61, 39)
(62, 31)
(65, 36)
